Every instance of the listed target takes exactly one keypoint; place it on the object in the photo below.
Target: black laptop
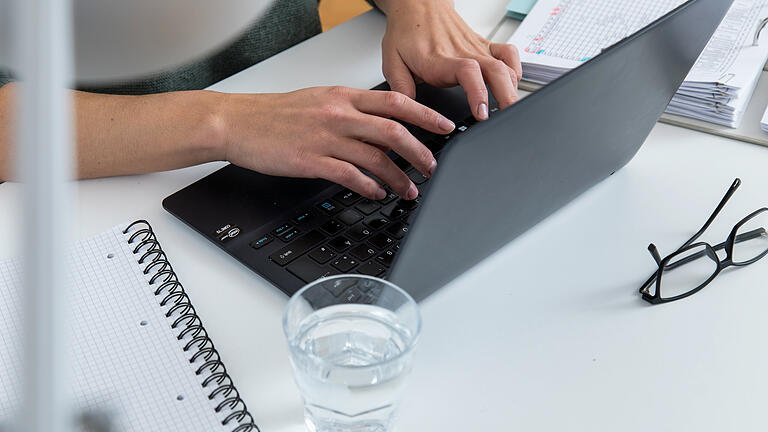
(494, 180)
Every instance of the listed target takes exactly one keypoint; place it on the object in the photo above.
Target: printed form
(559, 35)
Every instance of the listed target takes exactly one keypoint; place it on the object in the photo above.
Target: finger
(389, 133)
(397, 105)
(397, 73)
(347, 175)
(510, 55)
(468, 74)
(377, 163)
(499, 78)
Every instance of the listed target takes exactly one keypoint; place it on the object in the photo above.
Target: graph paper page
(565, 33)
(126, 363)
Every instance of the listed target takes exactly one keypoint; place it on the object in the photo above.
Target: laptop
(495, 179)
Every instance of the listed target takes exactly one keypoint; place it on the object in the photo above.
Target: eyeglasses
(694, 265)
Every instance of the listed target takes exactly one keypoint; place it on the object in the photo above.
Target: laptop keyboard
(356, 235)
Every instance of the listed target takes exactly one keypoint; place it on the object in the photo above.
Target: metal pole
(43, 48)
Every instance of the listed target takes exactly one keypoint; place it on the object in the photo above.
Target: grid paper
(131, 372)
(579, 29)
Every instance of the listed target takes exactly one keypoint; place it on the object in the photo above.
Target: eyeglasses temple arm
(656, 257)
(751, 235)
(728, 195)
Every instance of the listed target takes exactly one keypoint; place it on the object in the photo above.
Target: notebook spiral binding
(200, 345)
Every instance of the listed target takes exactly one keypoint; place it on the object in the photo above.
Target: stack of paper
(559, 35)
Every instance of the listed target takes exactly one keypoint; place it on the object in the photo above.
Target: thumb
(398, 75)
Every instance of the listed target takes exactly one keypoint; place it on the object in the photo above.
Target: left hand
(427, 40)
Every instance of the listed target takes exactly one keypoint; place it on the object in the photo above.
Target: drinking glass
(351, 341)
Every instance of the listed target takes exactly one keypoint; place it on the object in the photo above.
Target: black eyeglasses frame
(667, 263)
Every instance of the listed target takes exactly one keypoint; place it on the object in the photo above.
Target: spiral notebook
(140, 357)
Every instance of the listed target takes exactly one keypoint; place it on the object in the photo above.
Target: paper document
(764, 121)
(559, 35)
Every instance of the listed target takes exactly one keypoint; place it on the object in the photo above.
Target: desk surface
(546, 334)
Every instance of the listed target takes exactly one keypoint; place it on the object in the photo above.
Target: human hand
(329, 133)
(427, 40)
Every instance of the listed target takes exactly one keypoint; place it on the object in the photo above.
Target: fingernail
(431, 169)
(482, 111)
(445, 124)
(412, 192)
(381, 194)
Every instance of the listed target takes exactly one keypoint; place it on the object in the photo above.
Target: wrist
(399, 7)
(211, 129)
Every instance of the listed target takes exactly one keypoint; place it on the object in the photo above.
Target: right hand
(330, 133)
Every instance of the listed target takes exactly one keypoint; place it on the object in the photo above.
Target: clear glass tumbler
(351, 339)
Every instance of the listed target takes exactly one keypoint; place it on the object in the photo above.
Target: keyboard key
(381, 241)
(375, 291)
(261, 241)
(363, 252)
(340, 243)
(417, 177)
(391, 196)
(367, 206)
(422, 188)
(308, 270)
(303, 217)
(409, 204)
(377, 222)
(322, 298)
(347, 197)
(332, 226)
(395, 212)
(322, 254)
(386, 258)
(403, 164)
(281, 229)
(290, 235)
(358, 232)
(349, 217)
(435, 145)
(352, 295)
(345, 263)
(371, 269)
(461, 128)
(338, 286)
(367, 285)
(398, 230)
(297, 248)
(329, 207)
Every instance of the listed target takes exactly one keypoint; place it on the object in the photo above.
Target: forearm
(120, 135)
(7, 122)
(392, 7)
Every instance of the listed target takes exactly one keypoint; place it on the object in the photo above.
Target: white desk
(545, 335)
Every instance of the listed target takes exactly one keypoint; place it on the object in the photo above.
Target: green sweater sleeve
(284, 24)
(5, 77)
